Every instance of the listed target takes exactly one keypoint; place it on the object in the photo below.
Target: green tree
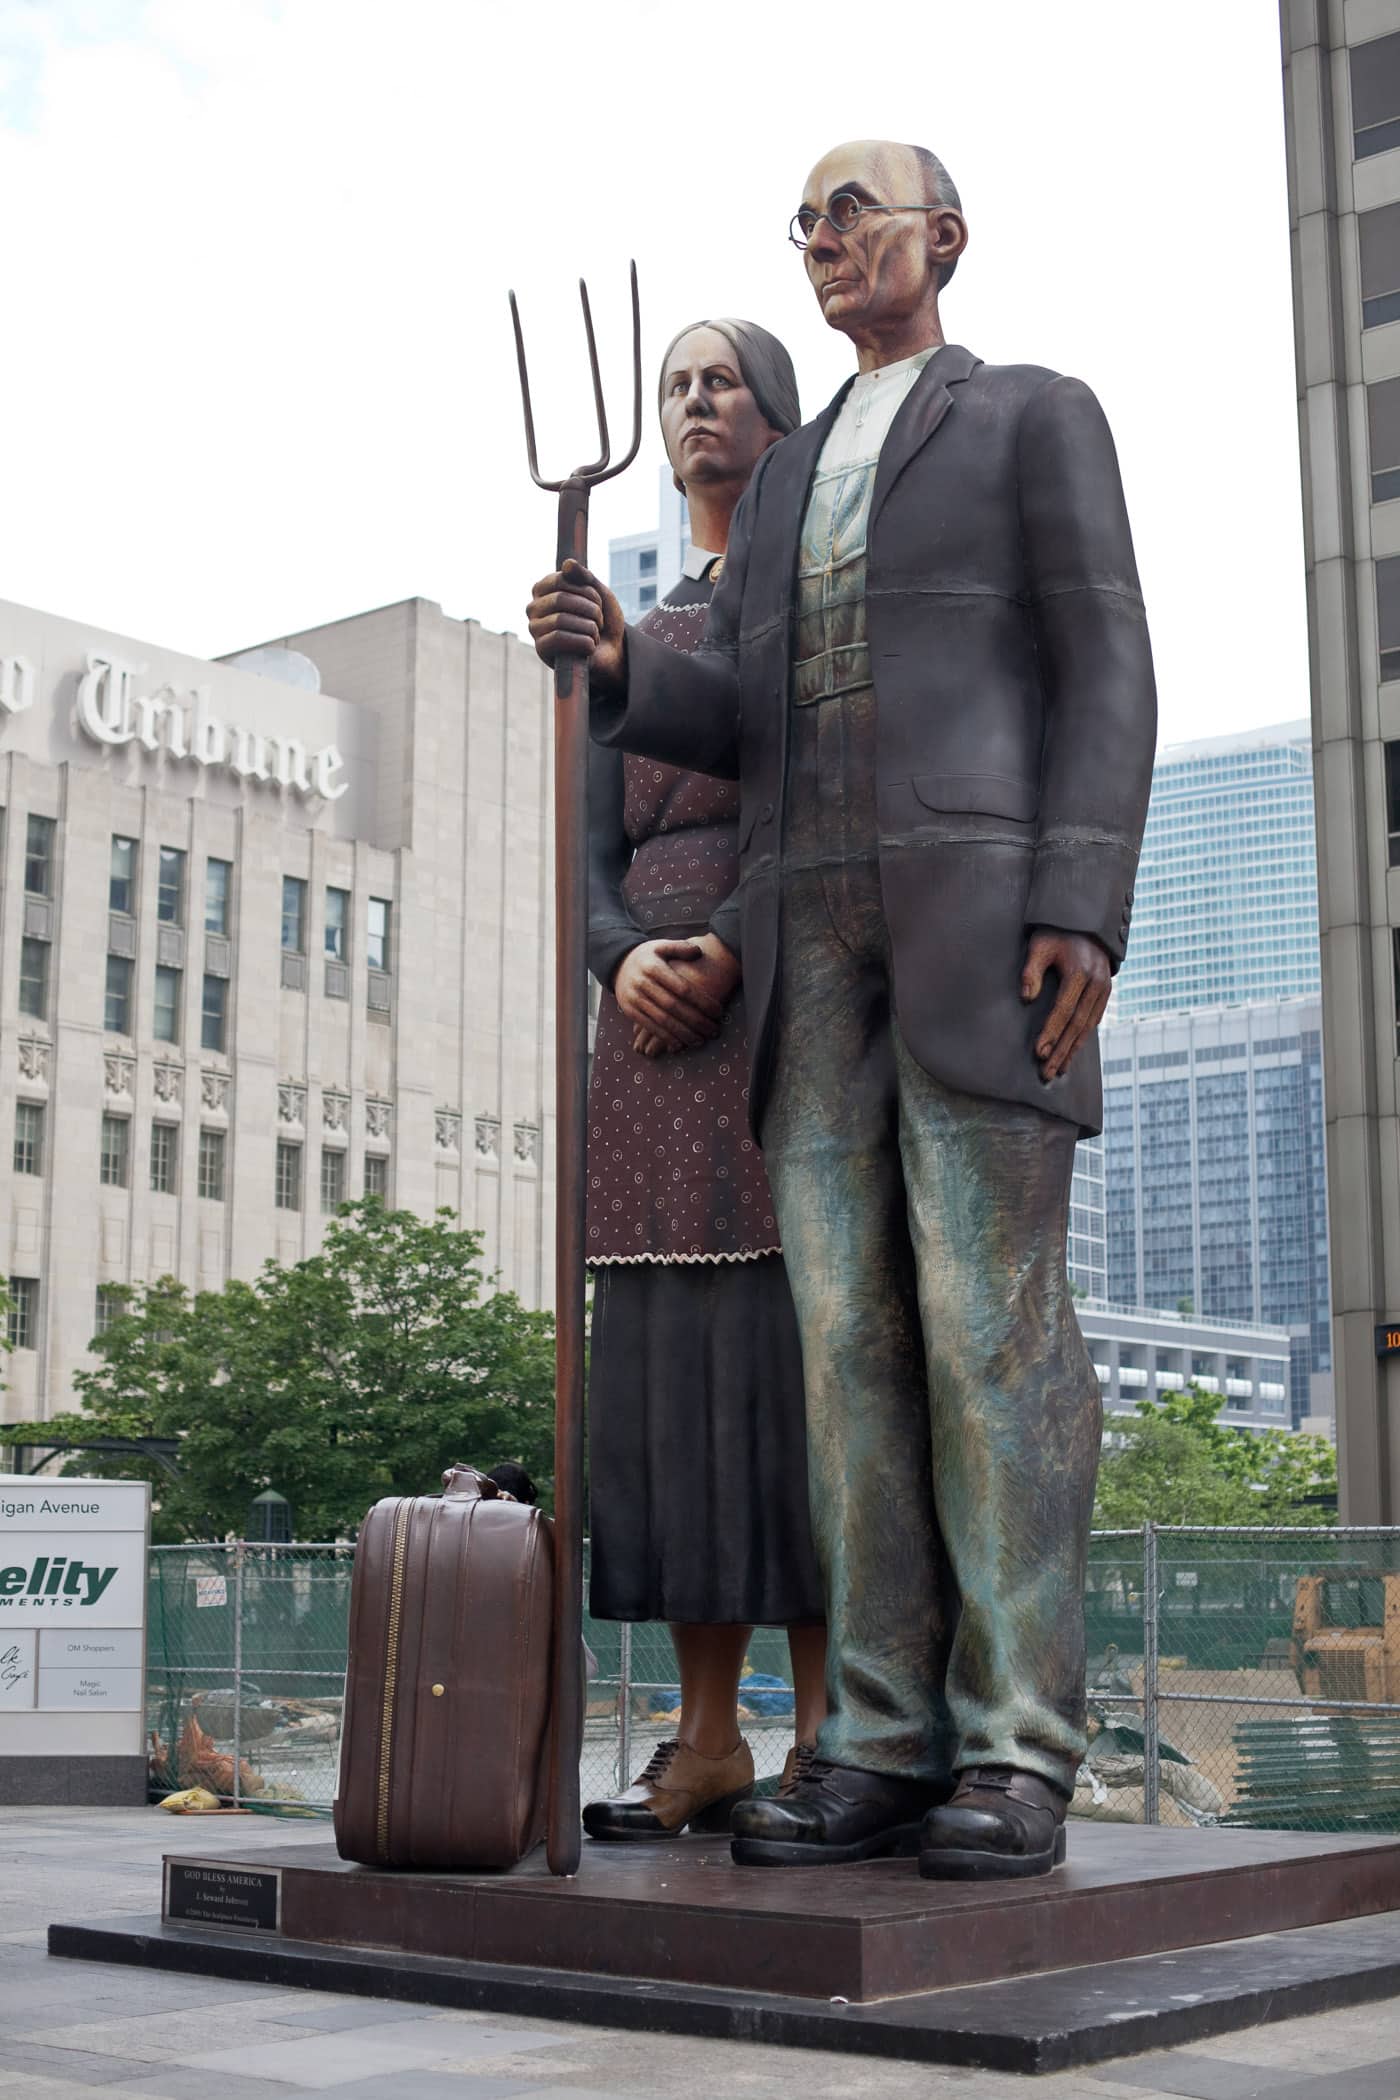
(358, 1373)
(1178, 1463)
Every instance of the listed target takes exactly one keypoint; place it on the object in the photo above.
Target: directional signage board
(72, 1622)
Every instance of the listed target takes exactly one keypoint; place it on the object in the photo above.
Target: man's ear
(947, 237)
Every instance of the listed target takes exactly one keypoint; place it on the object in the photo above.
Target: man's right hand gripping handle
(572, 614)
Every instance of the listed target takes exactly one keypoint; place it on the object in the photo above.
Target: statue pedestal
(1146, 1937)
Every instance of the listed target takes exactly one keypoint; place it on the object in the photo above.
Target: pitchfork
(571, 1094)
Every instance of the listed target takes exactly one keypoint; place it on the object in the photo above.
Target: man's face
(713, 427)
(881, 269)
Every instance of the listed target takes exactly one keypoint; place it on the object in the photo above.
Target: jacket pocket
(988, 794)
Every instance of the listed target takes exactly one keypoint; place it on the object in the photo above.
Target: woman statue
(697, 1445)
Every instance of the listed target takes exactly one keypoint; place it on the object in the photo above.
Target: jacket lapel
(928, 403)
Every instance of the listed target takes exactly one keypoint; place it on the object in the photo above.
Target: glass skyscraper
(1225, 908)
(1215, 1175)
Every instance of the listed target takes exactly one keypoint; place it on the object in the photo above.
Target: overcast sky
(257, 369)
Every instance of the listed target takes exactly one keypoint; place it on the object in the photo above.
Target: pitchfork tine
(530, 451)
(603, 468)
(597, 467)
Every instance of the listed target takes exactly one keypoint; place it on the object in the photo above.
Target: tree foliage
(360, 1372)
(1177, 1463)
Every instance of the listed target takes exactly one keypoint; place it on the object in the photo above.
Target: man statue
(927, 665)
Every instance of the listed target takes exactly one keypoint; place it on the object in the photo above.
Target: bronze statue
(927, 665)
(697, 1451)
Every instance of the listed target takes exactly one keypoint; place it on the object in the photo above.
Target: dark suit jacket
(1017, 711)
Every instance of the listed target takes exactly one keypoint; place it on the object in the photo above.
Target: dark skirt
(698, 1447)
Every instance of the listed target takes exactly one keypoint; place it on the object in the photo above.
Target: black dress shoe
(1001, 1824)
(833, 1814)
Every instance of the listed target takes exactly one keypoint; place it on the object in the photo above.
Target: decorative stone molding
(335, 1111)
(291, 1103)
(169, 1082)
(118, 1072)
(447, 1124)
(34, 1055)
(488, 1137)
(377, 1118)
(527, 1141)
(213, 1088)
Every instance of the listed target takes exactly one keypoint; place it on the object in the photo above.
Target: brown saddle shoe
(679, 1790)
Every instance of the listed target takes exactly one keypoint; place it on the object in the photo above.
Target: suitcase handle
(472, 1486)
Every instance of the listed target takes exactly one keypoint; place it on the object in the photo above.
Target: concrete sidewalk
(68, 2029)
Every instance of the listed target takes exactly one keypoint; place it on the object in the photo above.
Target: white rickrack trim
(599, 1261)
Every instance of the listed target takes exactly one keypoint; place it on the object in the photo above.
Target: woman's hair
(764, 367)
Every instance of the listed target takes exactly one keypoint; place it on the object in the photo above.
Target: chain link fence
(1242, 1677)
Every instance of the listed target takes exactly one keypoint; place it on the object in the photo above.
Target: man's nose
(825, 242)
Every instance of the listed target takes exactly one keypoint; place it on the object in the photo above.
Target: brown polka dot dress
(697, 1443)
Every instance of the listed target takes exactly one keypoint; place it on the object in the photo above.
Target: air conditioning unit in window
(293, 972)
(121, 934)
(218, 955)
(337, 980)
(380, 985)
(170, 946)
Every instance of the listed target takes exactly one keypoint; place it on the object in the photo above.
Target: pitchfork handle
(571, 1102)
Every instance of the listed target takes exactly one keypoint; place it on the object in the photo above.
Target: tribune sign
(72, 1620)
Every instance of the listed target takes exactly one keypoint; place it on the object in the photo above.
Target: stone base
(73, 1782)
(1144, 1939)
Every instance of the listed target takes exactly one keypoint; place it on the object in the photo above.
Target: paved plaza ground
(69, 2030)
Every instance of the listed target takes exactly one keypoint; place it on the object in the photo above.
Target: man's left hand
(1082, 966)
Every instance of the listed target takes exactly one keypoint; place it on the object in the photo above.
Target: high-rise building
(1225, 904)
(642, 566)
(274, 932)
(1215, 1174)
(1342, 126)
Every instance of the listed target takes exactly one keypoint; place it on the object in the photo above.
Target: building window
(378, 942)
(24, 1312)
(34, 979)
(38, 857)
(646, 596)
(337, 924)
(116, 1152)
(167, 1015)
(218, 877)
(116, 1017)
(1375, 96)
(29, 1137)
(376, 1174)
(1383, 420)
(1380, 265)
(1388, 615)
(121, 878)
(211, 1165)
(293, 915)
(108, 1307)
(288, 1191)
(1392, 800)
(332, 1180)
(165, 1138)
(170, 894)
(646, 561)
(213, 1018)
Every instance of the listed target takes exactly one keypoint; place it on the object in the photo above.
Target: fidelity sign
(113, 710)
(72, 1600)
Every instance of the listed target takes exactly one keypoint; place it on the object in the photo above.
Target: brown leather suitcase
(447, 1696)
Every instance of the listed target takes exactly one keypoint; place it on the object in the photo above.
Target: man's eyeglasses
(843, 211)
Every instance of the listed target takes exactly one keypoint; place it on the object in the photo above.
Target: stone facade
(434, 802)
(1342, 119)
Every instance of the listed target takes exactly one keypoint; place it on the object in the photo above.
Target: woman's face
(713, 427)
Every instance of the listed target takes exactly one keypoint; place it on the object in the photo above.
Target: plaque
(246, 1899)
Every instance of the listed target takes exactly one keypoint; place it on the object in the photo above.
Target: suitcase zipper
(391, 1672)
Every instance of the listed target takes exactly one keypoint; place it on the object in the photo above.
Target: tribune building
(274, 931)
